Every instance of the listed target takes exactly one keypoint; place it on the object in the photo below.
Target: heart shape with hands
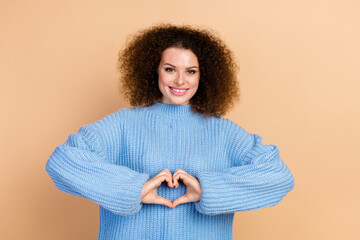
(149, 190)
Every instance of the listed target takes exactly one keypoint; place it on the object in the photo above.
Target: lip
(178, 93)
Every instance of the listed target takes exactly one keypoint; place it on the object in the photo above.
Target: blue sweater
(109, 161)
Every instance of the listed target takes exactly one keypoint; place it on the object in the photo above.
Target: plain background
(299, 76)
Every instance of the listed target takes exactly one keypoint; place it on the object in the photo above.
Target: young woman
(171, 167)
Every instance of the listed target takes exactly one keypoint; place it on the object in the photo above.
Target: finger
(164, 171)
(180, 200)
(179, 170)
(167, 173)
(168, 179)
(164, 177)
(175, 179)
(151, 184)
(188, 179)
(163, 201)
(180, 175)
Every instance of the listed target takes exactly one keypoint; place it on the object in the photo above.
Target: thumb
(180, 200)
(163, 201)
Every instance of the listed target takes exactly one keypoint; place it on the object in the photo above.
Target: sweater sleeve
(79, 167)
(258, 177)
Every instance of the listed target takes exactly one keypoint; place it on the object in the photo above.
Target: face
(179, 76)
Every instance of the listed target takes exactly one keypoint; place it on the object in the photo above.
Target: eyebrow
(175, 66)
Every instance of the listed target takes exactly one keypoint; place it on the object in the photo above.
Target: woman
(171, 167)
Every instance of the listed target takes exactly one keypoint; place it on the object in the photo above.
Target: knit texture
(109, 161)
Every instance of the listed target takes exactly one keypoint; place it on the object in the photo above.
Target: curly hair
(138, 62)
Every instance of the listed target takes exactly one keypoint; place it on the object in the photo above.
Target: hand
(193, 192)
(149, 190)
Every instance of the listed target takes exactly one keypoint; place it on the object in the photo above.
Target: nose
(179, 79)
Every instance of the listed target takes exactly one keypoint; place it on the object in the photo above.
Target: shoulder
(118, 118)
(225, 124)
(232, 131)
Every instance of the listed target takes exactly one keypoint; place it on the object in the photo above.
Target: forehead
(179, 56)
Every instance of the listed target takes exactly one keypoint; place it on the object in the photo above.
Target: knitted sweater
(109, 161)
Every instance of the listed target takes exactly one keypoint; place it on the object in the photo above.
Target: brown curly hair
(138, 62)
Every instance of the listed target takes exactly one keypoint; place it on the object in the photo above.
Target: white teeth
(178, 90)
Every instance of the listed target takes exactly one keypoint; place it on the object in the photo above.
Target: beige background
(300, 84)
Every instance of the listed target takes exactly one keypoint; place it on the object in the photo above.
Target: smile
(177, 91)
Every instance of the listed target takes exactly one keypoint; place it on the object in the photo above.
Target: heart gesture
(149, 190)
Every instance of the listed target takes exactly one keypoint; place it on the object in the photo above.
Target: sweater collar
(172, 111)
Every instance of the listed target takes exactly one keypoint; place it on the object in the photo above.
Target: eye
(169, 69)
(191, 71)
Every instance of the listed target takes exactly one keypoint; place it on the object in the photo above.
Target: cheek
(162, 84)
(195, 82)
(163, 79)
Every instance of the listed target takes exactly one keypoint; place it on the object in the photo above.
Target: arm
(78, 167)
(258, 178)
